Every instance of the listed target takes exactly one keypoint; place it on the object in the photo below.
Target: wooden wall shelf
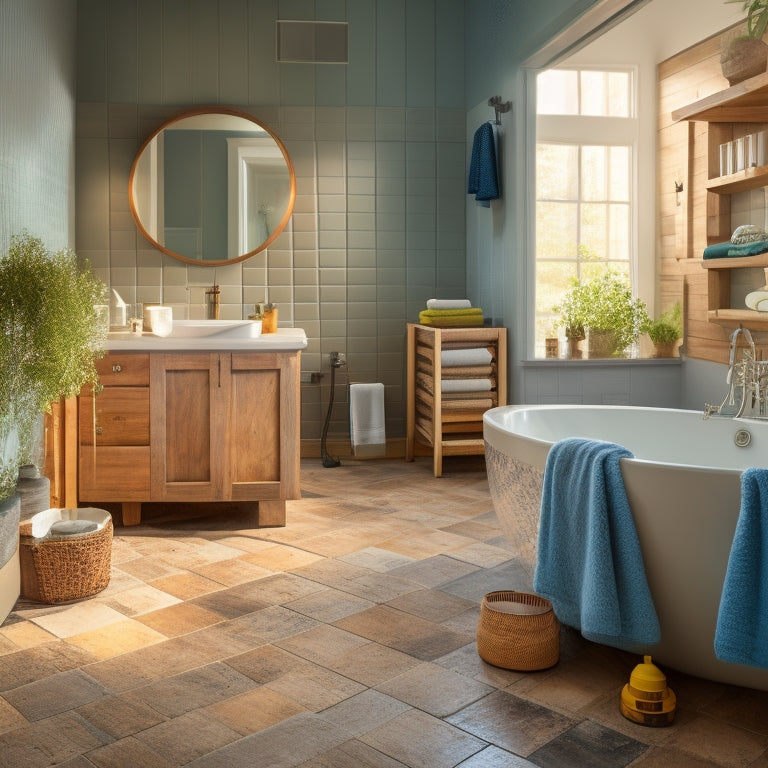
(745, 102)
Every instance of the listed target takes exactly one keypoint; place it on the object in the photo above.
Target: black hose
(328, 460)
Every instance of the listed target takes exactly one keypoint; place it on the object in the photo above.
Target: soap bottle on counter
(269, 318)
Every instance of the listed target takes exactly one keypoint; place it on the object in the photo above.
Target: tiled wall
(378, 147)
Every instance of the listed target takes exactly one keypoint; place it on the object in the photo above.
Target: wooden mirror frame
(213, 110)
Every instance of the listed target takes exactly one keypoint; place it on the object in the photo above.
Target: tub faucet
(746, 380)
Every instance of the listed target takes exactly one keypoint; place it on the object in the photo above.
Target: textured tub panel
(516, 493)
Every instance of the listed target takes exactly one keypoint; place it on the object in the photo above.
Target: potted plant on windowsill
(49, 338)
(665, 330)
(572, 311)
(608, 311)
(745, 55)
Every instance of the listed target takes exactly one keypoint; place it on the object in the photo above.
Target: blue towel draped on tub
(589, 561)
(741, 635)
(483, 180)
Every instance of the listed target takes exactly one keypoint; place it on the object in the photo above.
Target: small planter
(574, 347)
(742, 58)
(603, 344)
(664, 348)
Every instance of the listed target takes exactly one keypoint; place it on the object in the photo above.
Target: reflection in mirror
(212, 187)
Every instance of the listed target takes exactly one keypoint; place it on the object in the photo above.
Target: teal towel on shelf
(729, 250)
(483, 180)
(741, 634)
(590, 565)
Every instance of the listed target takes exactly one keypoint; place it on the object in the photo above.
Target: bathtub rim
(494, 432)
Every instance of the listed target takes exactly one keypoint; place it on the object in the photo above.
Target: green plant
(49, 338)
(757, 16)
(605, 304)
(668, 327)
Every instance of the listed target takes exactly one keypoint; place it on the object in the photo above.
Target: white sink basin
(197, 329)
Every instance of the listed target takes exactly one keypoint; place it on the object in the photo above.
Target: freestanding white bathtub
(684, 488)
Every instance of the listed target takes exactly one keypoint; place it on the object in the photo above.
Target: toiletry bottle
(269, 319)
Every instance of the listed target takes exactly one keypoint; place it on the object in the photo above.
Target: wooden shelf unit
(745, 102)
(450, 424)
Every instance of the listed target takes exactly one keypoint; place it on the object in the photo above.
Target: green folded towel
(452, 321)
(729, 250)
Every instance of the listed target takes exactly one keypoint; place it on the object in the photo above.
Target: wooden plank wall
(694, 218)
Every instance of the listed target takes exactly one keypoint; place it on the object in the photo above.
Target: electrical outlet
(311, 377)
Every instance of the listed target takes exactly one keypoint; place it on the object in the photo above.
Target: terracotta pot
(742, 58)
(664, 348)
(574, 347)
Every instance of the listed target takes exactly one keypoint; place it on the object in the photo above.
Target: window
(585, 200)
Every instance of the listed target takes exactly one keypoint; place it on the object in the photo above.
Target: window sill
(548, 362)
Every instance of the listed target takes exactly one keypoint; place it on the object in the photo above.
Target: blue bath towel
(483, 180)
(741, 635)
(590, 565)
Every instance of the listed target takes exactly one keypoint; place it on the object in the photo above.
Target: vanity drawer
(114, 473)
(121, 417)
(123, 369)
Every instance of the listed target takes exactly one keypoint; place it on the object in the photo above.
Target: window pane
(552, 281)
(594, 220)
(592, 93)
(619, 228)
(557, 92)
(557, 171)
(618, 94)
(556, 230)
(619, 173)
(593, 176)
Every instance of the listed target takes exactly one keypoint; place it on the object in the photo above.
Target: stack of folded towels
(451, 313)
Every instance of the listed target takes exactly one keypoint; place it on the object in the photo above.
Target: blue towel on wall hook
(483, 180)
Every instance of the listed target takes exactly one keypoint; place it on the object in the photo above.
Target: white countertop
(286, 339)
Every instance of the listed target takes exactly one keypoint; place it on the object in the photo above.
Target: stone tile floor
(345, 639)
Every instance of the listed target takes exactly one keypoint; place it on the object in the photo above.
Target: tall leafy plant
(757, 16)
(49, 339)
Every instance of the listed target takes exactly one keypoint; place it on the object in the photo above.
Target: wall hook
(499, 106)
(678, 190)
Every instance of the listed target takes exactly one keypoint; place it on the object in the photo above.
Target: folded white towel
(465, 385)
(470, 356)
(449, 304)
(366, 414)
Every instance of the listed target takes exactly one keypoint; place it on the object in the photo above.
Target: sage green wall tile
(234, 51)
(420, 52)
(122, 42)
(390, 53)
(361, 71)
(149, 52)
(92, 50)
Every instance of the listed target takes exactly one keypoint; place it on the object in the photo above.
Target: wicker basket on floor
(518, 630)
(65, 569)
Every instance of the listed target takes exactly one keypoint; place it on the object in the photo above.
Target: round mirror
(212, 186)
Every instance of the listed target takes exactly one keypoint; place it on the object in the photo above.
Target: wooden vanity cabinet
(200, 426)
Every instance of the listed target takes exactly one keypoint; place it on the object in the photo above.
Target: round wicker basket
(519, 631)
(61, 570)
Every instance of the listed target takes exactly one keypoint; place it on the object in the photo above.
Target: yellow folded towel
(452, 312)
(461, 321)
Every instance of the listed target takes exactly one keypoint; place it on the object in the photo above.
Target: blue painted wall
(37, 120)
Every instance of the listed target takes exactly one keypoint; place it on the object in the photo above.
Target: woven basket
(60, 570)
(519, 631)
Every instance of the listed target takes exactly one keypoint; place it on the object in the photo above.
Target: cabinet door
(188, 421)
(263, 432)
